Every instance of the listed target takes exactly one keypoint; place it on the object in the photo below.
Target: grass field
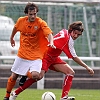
(34, 94)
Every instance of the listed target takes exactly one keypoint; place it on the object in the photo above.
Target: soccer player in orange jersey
(35, 35)
(64, 42)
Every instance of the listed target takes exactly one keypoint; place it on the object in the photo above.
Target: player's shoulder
(23, 18)
(40, 20)
(64, 31)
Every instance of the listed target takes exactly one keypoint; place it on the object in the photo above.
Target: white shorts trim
(22, 66)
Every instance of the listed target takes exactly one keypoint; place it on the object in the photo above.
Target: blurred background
(58, 14)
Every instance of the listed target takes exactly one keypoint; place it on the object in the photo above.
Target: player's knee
(38, 76)
(35, 76)
(71, 72)
(14, 76)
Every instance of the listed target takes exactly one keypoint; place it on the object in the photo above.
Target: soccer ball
(48, 96)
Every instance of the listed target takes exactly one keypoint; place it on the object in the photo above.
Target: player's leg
(12, 79)
(27, 84)
(10, 84)
(69, 74)
(15, 93)
(35, 69)
(31, 81)
(61, 66)
(20, 67)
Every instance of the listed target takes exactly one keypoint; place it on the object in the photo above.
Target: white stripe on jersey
(61, 35)
(71, 47)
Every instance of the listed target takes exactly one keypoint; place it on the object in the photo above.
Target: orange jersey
(33, 38)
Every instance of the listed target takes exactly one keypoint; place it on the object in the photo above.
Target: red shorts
(48, 62)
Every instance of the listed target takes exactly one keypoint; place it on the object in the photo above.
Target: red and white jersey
(63, 42)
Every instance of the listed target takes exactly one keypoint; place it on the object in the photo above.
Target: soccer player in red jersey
(64, 42)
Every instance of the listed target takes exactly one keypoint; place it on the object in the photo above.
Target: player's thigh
(35, 68)
(64, 68)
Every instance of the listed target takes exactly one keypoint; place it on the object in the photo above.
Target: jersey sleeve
(69, 49)
(46, 30)
(18, 24)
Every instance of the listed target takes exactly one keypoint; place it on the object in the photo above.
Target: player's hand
(12, 42)
(90, 70)
(52, 46)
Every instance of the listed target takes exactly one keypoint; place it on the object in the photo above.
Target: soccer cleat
(68, 98)
(13, 96)
(22, 80)
(6, 98)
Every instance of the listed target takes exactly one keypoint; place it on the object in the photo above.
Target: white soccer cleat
(13, 96)
(68, 98)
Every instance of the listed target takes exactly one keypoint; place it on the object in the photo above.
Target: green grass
(34, 94)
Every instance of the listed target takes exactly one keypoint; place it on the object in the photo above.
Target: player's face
(32, 15)
(75, 34)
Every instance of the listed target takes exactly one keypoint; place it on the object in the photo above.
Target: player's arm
(50, 38)
(48, 33)
(12, 41)
(80, 62)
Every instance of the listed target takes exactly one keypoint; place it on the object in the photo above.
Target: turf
(34, 94)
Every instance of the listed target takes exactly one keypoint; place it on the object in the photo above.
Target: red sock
(27, 84)
(67, 85)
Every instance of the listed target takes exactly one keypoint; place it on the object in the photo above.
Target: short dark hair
(78, 25)
(30, 6)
